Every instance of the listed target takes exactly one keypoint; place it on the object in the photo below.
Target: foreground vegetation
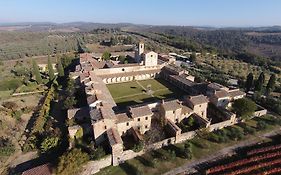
(167, 158)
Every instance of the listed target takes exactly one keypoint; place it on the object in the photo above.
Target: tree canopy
(50, 70)
(71, 162)
(260, 82)
(271, 83)
(60, 68)
(244, 107)
(36, 72)
(106, 56)
(249, 82)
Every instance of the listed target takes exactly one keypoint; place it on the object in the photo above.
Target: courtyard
(137, 92)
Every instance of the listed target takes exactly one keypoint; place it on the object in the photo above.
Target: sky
(219, 13)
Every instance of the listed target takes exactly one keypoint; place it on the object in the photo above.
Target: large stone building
(110, 125)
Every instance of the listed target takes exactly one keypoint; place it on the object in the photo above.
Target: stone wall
(221, 125)
(185, 136)
(162, 143)
(93, 167)
(260, 112)
(130, 154)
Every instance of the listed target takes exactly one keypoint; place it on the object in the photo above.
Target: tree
(113, 41)
(49, 144)
(187, 153)
(50, 69)
(71, 162)
(249, 82)
(36, 72)
(70, 87)
(60, 68)
(193, 57)
(244, 107)
(69, 102)
(260, 81)
(106, 56)
(271, 84)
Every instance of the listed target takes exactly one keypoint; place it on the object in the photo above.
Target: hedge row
(43, 112)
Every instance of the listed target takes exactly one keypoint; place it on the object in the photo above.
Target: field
(131, 93)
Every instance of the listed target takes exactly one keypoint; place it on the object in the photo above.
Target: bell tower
(139, 52)
(141, 48)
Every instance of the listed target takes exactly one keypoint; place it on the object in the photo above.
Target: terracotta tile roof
(186, 110)
(44, 169)
(122, 118)
(183, 80)
(171, 105)
(74, 113)
(235, 93)
(114, 137)
(173, 125)
(215, 86)
(221, 94)
(130, 73)
(199, 99)
(140, 111)
(91, 99)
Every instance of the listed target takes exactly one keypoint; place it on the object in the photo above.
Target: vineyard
(265, 160)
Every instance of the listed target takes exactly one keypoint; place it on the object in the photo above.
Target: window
(174, 112)
(200, 106)
(151, 55)
(104, 127)
(127, 123)
(138, 128)
(177, 120)
(146, 126)
(138, 119)
(123, 69)
(146, 118)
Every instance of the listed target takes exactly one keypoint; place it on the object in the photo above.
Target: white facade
(150, 59)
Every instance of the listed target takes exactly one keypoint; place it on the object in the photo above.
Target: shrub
(187, 152)
(17, 114)
(10, 84)
(6, 147)
(30, 144)
(10, 105)
(138, 147)
(97, 154)
(172, 154)
(49, 144)
(261, 125)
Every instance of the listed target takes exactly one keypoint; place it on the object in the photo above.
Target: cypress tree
(271, 83)
(50, 69)
(60, 69)
(249, 82)
(36, 72)
(260, 81)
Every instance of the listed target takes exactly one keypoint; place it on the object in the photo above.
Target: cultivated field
(135, 92)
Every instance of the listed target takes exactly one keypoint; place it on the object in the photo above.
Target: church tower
(141, 48)
(139, 52)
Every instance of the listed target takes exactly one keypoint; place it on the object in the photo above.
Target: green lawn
(131, 93)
